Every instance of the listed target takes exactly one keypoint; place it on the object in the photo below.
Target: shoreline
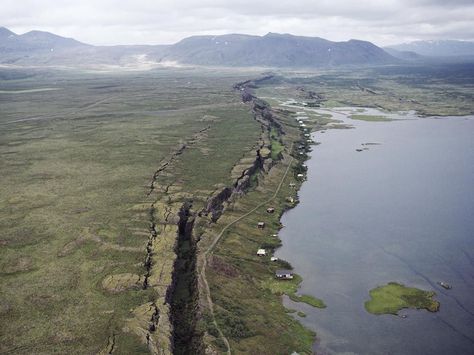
(279, 182)
(297, 146)
(329, 327)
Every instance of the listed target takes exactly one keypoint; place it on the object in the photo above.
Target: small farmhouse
(284, 274)
(261, 252)
(261, 225)
(270, 209)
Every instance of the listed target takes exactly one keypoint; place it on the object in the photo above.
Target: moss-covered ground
(76, 165)
(437, 89)
(393, 297)
(370, 118)
(245, 293)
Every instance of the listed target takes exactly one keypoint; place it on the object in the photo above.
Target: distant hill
(35, 41)
(404, 55)
(5, 33)
(44, 48)
(274, 50)
(442, 48)
(271, 50)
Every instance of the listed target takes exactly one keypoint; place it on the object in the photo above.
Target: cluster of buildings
(282, 274)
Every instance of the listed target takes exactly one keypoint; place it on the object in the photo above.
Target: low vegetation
(94, 175)
(276, 145)
(75, 216)
(290, 288)
(243, 284)
(430, 90)
(391, 298)
(371, 118)
(308, 299)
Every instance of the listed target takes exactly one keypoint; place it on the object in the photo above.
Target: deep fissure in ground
(184, 296)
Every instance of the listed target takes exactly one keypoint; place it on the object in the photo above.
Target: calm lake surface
(401, 211)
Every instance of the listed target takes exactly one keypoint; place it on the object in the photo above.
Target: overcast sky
(164, 21)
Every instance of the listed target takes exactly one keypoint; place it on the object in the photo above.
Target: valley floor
(130, 202)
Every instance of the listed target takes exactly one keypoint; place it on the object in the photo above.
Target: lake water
(401, 211)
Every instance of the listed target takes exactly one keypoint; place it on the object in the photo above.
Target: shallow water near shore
(400, 211)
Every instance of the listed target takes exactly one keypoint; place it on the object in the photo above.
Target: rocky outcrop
(260, 108)
(153, 322)
(244, 181)
(215, 204)
(261, 161)
(172, 157)
(169, 323)
(17, 264)
(122, 282)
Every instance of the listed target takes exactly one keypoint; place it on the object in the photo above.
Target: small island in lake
(391, 298)
(371, 118)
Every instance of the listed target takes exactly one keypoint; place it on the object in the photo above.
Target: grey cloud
(158, 21)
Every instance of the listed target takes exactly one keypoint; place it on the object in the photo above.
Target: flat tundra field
(129, 203)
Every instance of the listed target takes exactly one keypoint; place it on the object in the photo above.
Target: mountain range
(38, 48)
(274, 50)
(271, 50)
(441, 48)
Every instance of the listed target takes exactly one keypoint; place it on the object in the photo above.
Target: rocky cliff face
(183, 295)
(261, 160)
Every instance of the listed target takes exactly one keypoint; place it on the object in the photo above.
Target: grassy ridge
(276, 145)
(245, 293)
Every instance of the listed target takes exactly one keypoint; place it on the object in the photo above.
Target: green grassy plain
(76, 164)
(370, 118)
(75, 200)
(393, 297)
(441, 89)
